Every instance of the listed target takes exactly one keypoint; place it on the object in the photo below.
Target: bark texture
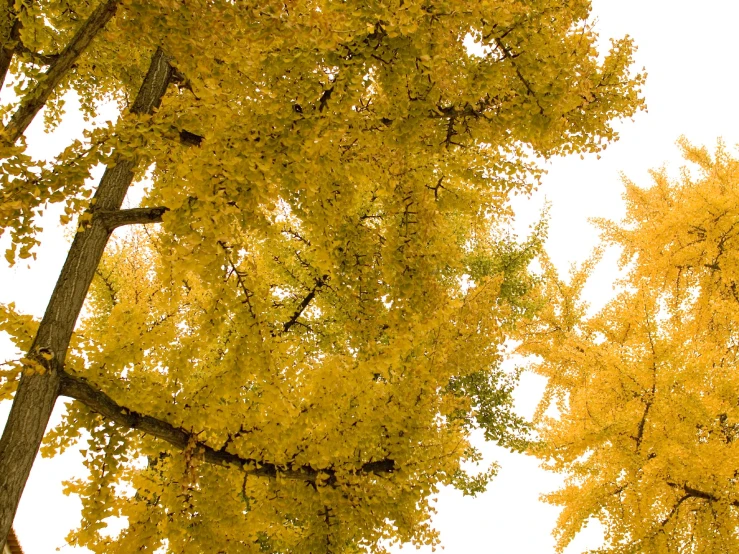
(135, 216)
(36, 98)
(38, 390)
(7, 25)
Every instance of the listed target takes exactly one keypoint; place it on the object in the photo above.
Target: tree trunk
(7, 22)
(35, 98)
(37, 391)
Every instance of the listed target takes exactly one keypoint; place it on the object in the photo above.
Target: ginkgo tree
(305, 343)
(335, 415)
(646, 393)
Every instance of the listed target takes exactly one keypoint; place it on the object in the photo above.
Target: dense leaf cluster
(646, 390)
(294, 361)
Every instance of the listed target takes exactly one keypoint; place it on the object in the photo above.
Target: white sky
(690, 50)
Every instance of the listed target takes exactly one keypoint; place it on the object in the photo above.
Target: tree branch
(508, 55)
(36, 57)
(697, 493)
(97, 401)
(37, 392)
(36, 98)
(235, 271)
(113, 219)
(190, 139)
(8, 27)
(650, 398)
(303, 305)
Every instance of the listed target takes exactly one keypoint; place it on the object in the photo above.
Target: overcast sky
(690, 50)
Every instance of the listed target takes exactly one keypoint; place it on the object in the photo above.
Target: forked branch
(35, 99)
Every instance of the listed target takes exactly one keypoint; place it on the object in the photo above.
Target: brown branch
(36, 98)
(304, 304)
(648, 401)
(239, 280)
(37, 392)
(99, 402)
(20, 48)
(697, 493)
(642, 423)
(325, 97)
(9, 25)
(674, 510)
(508, 55)
(36, 57)
(108, 285)
(113, 219)
(190, 139)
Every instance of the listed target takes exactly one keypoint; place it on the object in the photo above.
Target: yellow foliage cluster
(641, 411)
(352, 380)
(328, 293)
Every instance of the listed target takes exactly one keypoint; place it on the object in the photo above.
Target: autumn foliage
(293, 362)
(641, 411)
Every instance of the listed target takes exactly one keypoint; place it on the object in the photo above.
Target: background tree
(644, 393)
(319, 159)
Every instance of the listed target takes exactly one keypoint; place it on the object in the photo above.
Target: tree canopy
(294, 360)
(641, 409)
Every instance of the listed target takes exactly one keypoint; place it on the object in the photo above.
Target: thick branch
(38, 390)
(190, 139)
(8, 27)
(36, 98)
(112, 219)
(303, 305)
(642, 423)
(98, 401)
